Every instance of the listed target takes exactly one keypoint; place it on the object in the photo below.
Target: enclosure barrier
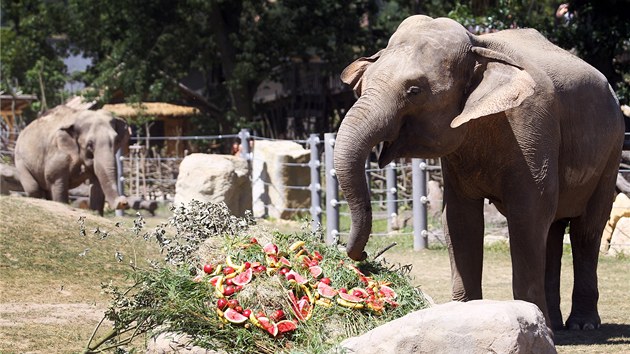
(333, 203)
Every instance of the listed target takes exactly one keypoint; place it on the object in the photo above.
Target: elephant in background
(514, 119)
(67, 147)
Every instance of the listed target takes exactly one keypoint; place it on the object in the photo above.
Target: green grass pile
(177, 296)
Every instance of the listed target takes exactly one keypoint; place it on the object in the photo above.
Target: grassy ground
(431, 270)
(50, 295)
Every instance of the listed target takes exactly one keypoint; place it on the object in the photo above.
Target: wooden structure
(12, 107)
(158, 119)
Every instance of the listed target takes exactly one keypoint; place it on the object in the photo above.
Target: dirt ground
(44, 309)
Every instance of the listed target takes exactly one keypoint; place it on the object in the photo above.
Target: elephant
(515, 120)
(66, 147)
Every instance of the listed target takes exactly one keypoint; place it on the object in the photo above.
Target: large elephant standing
(516, 120)
(66, 147)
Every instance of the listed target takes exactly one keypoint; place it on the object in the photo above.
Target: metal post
(419, 181)
(315, 186)
(245, 137)
(391, 195)
(332, 191)
(120, 179)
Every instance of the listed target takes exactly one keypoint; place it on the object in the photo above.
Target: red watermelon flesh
(234, 317)
(298, 278)
(326, 290)
(315, 271)
(350, 297)
(244, 278)
(286, 326)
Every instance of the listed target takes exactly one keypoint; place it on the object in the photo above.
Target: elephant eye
(413, 90)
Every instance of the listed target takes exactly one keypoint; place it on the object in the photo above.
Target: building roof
(151, 109)
(21, 101)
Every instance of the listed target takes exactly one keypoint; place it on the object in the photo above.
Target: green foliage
(176, 296)
(32, 50)
(144, 49)
(596, 31)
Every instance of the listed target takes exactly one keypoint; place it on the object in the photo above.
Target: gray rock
(480, 326)
(274, 172)
(620, 240)
(9, 179)
(215, 178)
(174, 343)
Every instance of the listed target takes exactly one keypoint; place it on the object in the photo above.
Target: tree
(31, 56)
(147, 47)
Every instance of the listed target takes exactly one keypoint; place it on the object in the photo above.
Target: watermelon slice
(264, 322)
(350, 297)
(388, 292)
(270, 248)
(273, 330)
(284, 261)
(360, 292)
(304, 306)
(326, 290)
(286, 326)
(234, 317)
(316, 271)
(243, 278)
(296, 276)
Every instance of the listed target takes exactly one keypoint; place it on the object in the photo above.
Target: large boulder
(215, 178)
(616, 235)
(480, 326)
(175, 343)
(274, 173)
(620, 239)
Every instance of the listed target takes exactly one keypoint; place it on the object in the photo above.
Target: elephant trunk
(106, 173)
(363, 127)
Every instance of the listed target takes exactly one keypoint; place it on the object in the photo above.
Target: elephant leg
(586, 233)
(59, 190)
(97, 197)
(529, 223)
(30, 185)
(585, 247)
(552, 272)
(463, 228)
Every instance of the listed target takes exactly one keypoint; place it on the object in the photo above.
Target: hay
(150, 109)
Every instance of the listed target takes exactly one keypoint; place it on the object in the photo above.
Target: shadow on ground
(609, 334)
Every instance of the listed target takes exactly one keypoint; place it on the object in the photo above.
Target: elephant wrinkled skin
(67, 147)
(514, 119)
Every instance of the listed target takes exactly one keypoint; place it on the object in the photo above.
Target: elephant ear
(498, 84)
(353, 74)
(122, 129)
(66, 139)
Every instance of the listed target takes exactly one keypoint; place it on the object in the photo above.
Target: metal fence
(403, 183)
(400, 184)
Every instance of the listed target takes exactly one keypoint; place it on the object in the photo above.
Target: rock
(480, 326)
(620, 210)
(215, 178)
(272, 179)
(620, 240)
(171, 343)
(435, 196)
(9, 179)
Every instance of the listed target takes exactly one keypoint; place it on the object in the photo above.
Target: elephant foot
(585, 323)
(555, 317)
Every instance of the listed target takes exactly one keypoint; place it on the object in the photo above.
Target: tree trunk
(241, 93)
